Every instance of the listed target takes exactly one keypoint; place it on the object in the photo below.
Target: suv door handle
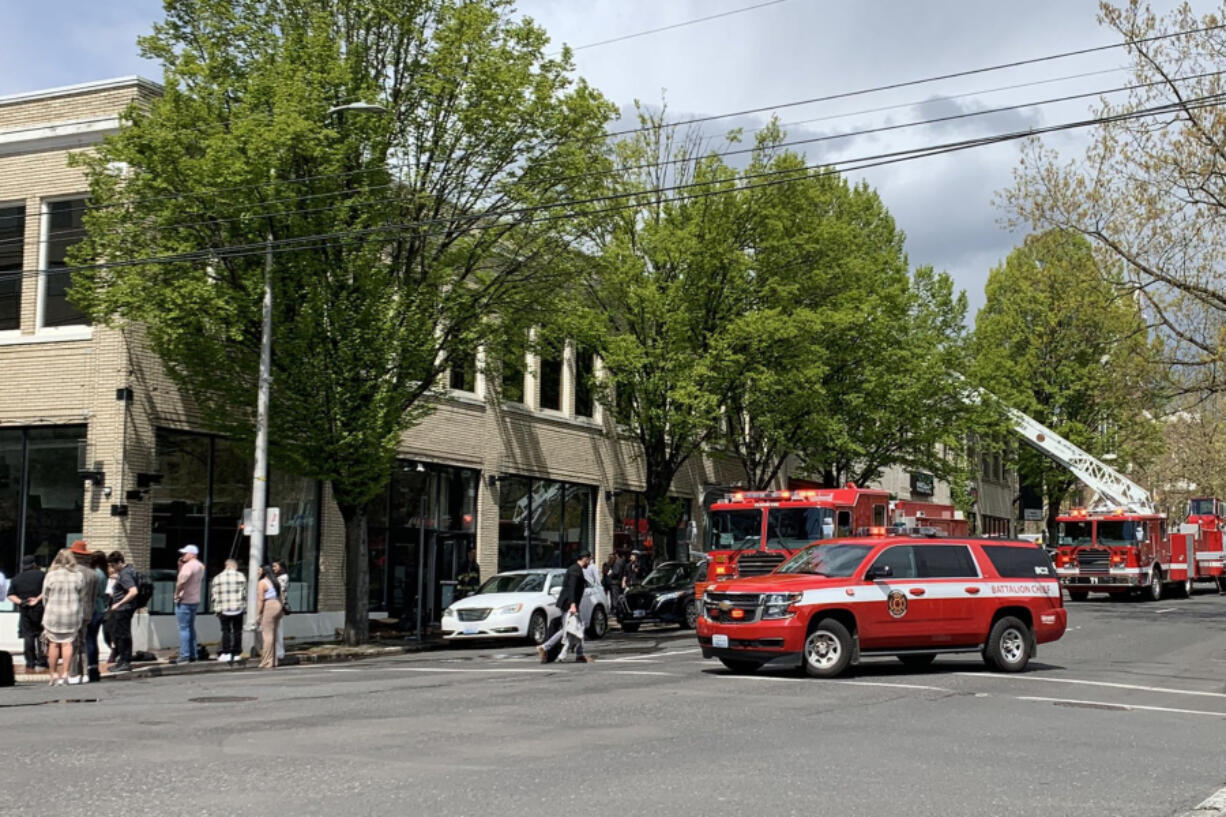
(974, 591)
(917, 591)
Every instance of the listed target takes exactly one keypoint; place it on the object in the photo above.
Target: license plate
(640, 613)
(719, 641)
(471, 629)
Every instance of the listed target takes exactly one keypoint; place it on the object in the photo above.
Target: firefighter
(468, 580)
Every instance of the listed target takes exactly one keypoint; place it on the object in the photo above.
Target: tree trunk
(357, 575)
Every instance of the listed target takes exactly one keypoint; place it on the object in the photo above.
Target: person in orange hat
(77, 672)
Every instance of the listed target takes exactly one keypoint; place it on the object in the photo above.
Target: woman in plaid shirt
(62, 611)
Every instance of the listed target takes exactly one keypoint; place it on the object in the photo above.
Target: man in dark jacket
(26, 592)
(569, 601)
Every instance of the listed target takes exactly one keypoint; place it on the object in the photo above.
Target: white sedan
(521, 604)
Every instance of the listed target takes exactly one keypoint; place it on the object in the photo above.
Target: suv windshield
(1075, 533)
(792, 527)
(734, 530)
(827, 560)
(514, 583)
(668, 574)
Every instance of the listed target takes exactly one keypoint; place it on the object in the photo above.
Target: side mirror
(555, 591)
(877, 572)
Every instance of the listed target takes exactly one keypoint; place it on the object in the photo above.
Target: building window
(542, 523)
(206, 485)
(585, 375)
(463, 376)
(12, 239)
(64, 229)
(41, 493)
(513, 371)
(551, 377)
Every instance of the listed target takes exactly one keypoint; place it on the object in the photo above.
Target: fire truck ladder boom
(1113, 489)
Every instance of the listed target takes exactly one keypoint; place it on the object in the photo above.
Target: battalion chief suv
(836, 602)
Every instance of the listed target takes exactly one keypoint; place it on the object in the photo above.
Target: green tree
(1062, 340)
(1150, 191)
(393, 248)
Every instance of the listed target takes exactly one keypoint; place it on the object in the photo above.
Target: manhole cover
(224, 699)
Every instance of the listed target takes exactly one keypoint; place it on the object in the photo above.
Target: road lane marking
(638, 672)
(819, 682)
(1108, 684)
(457, 669)
(890, 684)
(1167, 610)
(653, 655)
(1121, 707)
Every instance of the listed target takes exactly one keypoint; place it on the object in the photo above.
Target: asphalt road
(1124, 716)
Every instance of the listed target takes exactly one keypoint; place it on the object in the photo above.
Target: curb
(1213, 806)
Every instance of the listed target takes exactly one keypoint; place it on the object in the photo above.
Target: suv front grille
(719, 607)
(758, 563)
(476, 614)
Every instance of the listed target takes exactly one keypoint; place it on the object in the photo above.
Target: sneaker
(73, 680)
(122, 666)
(544, 655)
(223, 658)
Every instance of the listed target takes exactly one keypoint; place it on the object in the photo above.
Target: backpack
(144, 590)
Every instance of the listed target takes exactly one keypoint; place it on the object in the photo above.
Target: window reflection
(40, 493)
(542, 523)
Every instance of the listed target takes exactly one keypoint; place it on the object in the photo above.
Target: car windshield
(1075, 533)
(1202, 507)
(514, 583)
(734, 530)
(827, 560)
(669, 574)
(792, 527)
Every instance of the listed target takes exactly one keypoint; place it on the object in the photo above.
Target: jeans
(120, 625)
(231, 634)
(91, 640)
(185, 614)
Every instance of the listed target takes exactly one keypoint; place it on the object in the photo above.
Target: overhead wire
(682, 24)
(791, 175)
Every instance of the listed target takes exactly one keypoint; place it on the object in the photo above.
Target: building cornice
(82, 88)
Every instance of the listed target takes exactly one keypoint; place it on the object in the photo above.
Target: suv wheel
(827, 649)
(1154, 591)
(689, 619)
(599, 624)
(1009, 645)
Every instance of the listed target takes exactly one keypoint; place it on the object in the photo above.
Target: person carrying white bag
(569, 600)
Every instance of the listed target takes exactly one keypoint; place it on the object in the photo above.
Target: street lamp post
(259, 482)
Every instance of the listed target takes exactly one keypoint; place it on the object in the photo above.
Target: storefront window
(41, 493)
(632, 531)
(11, 456)
(206, 485)
(542, 523)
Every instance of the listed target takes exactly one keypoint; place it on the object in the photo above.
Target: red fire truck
(1119, 552)
(750, 533)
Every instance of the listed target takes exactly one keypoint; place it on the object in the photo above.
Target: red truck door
(896, 612)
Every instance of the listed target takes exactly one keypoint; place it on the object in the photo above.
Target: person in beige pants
(269, 614)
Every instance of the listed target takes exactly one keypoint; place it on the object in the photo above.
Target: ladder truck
(1121, 545)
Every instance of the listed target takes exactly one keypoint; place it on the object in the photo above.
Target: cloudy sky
(779, 53)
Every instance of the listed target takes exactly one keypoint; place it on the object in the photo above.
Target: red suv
(837, 602)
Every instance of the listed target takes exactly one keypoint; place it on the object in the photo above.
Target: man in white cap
(187, 600)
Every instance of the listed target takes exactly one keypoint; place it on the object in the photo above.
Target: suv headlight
(669, 596)
(776, 605)
(508, 610)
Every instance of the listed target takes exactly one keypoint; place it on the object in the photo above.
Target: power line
(683, 24)
(773, 178)
(965, 115)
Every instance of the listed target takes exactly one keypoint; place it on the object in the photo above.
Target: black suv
(666, 596)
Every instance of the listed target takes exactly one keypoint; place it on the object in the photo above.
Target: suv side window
(945, 562)
(1020, 562)
(900, 559)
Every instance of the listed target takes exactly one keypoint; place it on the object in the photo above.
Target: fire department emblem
(896, 602)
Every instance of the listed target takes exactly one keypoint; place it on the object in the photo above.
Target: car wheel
(1078, 595)
(599, 624)
(1185, 588)
(827, 649)
(1154, 591)
(917, 660)
(630, 626)
(740, 666)
(690, 619)
(1009, 645)
(538, 627)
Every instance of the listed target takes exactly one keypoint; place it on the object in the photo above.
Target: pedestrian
(97, 565)
(119, 617)
(632, 573)
(26, 592)
(468, 580)
(570, 599)
(78, 671)
(268, 613)
(614, 567)
(62, 612)
(187, 600)
(228, 598)
(278, 569)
